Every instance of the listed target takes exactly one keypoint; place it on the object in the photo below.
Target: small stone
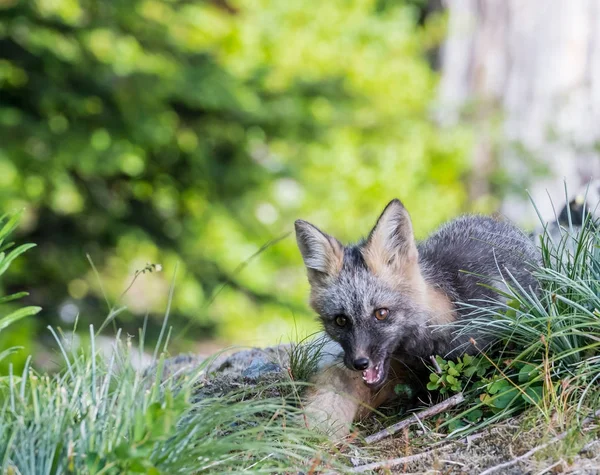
(259, 368)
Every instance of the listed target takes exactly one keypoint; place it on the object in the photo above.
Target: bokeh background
(192, 133)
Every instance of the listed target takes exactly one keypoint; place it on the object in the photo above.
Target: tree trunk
(528, 73)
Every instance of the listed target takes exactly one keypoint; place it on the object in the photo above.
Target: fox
(389, 303)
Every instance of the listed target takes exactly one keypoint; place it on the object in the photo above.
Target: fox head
(371, 296)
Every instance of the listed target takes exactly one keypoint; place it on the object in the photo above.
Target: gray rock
(259, 368)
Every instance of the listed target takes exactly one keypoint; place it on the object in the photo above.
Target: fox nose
(361, 363)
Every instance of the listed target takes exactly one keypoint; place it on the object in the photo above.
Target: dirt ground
(495, 447)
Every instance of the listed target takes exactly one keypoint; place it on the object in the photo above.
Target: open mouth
(376, 374)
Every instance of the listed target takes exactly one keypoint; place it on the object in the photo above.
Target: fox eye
(381, 313)
(341, 320)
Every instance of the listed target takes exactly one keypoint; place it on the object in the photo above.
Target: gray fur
(467, 256)
(456, 260)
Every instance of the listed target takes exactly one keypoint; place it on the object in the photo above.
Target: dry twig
(526, 455)
(417, 417)
(390, 463)
(435, 364)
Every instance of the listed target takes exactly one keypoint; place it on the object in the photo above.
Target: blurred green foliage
(149, 131)
(11, 312)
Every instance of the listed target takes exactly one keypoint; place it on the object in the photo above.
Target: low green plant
(451, 376)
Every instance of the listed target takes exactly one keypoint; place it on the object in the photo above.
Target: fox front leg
(339, 396)
(335, 400)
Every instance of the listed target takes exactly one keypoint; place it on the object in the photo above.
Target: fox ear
(391, 242)
(323, 254)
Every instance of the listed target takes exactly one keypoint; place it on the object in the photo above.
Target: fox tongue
(371, 375)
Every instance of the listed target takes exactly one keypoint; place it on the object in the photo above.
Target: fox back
(388, 297)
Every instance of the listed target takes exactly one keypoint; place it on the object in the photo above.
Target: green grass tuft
(548, 353)
(102, 416)
(304, 357)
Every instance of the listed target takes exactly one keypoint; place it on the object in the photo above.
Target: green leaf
(482, 369)
(140, 465)
(56, 457)
(18, 315)
(486, 399)
(10, 225)
(513, 305)
(527, 373)
(474, 415)
(432, 386)
(533, 394)
(9, 352)
(153, 413)
(12, 255)
(5, 246)
(123, 451)
(451, 379)
(455, 424)
(10, 298)
(139, 427)
(453, 371)
(434, 377)
(93, 462)
(505, 398)
(497, 386)
(470, 371)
